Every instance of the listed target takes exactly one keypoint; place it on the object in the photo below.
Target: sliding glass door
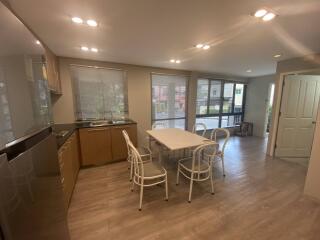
(219, 103)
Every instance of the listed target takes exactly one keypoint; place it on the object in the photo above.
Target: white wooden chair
(202, 126)
(220, 153)
(198, 167)
(144, 152)
(146, 174)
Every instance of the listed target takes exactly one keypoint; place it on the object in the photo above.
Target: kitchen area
(40, 160)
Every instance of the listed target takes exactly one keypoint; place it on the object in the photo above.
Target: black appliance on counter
(31, 194)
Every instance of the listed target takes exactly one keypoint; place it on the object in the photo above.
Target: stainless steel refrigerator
(31, 195)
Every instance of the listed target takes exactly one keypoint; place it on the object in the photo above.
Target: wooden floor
(260, 198)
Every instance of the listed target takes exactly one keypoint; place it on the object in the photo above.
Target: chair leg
(131, 170)
(211, 180)
(167, 188)
(141, 196)
(191, 185)
(222, 161)
(132, 186)
(178, 172)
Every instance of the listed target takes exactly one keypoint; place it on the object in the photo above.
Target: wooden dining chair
(145, 153)
(198, 168)
(223, 134)
(202, 126)
(146, 174)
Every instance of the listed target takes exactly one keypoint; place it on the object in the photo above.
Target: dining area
(255, 190)
(192, 155)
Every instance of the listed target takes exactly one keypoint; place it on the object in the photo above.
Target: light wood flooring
(260, 198)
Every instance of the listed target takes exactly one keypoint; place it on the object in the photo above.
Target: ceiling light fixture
(269, 16)
(92, 23)
(277, 56)
(206, 47)
(249, 71)
(260, 13)
(202, 46)
(38, 42)
(178, 61)
(94, 50)
(77, 20)
(172, 60)
(84, 48)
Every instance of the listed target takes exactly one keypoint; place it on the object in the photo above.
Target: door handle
(314, 122)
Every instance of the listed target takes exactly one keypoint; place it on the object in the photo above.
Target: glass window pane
(174, 123)
(202, 96)
(210, 122)
(230, 121)
(227, 98)
(215, 97)
(169, 98)
(238, 98)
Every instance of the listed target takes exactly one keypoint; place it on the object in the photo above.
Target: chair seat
(152, 170)
(186, 163)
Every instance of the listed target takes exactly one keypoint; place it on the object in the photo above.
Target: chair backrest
(158, 125)
(126, 137)
(202, 125)
(204, 152)
(137, 161)
(224, 132)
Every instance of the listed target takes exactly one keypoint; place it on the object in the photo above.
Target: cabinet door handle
(97, 129)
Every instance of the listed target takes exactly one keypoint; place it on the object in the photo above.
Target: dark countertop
(69, 128)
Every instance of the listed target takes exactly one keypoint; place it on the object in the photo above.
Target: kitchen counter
(64, 131)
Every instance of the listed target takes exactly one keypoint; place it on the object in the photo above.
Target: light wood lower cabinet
(101, 145)
(95, 146)
(69, 165)
(119, 147)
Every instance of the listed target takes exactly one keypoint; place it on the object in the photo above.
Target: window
(169, 100)
(100, 93)
(219, 103)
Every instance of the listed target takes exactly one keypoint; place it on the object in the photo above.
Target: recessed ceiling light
(249, 71)
(172, 60)
(94, 50)
(269, 16)
(260, 13)
(277, 56)
(92, 23)
(84, 48)
(77, 20)
(200, 45)
(38, 42)
(178, 61)
(205, 47)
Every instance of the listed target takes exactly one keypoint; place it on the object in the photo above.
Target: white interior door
(299, 105)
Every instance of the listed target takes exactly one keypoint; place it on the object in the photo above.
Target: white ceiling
(151, 32)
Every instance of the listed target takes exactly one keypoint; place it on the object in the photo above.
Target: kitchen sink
(100, 123)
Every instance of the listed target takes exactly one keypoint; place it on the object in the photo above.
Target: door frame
(276, 107)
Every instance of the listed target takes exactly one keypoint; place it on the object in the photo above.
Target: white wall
(257, 102)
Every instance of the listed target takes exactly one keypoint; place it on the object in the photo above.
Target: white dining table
(176, 139)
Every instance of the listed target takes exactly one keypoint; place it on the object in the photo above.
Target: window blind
(99, 93)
